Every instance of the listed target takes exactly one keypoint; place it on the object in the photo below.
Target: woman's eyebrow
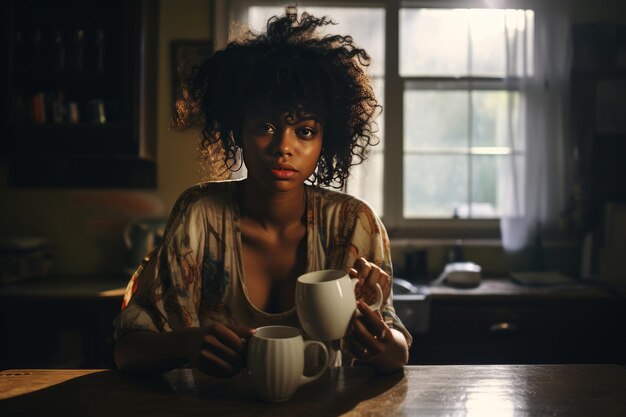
(301, 117)
(290, 117)
(311, 116)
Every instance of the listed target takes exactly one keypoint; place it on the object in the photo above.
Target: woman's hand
(221, 351)
(370, 339)
(370, 274)
(368, 336)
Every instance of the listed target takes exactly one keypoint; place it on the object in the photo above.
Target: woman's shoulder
(205, 195)
(335, 201)
(197, 207)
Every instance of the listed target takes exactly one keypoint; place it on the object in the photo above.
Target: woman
(300, 108)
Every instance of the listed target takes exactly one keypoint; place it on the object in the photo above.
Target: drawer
(567, 331)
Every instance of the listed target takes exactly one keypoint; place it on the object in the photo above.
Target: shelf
(71, 140)
(71, 65)
(65, 77)
(93, 172)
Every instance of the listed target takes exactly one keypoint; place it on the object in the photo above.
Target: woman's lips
(282, 173)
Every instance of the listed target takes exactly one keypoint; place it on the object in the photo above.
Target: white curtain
(533, 186)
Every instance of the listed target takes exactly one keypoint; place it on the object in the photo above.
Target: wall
(85, 226)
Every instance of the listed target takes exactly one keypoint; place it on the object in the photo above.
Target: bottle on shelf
(59, 51)
(78, 49)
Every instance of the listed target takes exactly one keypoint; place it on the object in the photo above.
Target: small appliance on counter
(23, 258)
(412, 304)
(460, 274)
(141, 236)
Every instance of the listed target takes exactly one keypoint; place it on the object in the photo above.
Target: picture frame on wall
(185, 56)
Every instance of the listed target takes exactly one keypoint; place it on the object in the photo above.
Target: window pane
(488, 42)
(435, 119)
(366, 25)
(366, 181)
(520, 31)
(379, 90)
(433, 42)
(435, 186)
(493, 194)
(496, 119)
(465, 42)
(484, 187)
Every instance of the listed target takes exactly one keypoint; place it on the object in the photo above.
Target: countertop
(496, 287)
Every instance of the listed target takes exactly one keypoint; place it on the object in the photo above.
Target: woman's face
(281, 149)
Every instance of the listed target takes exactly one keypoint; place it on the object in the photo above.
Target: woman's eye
(266, 128)
(306, 132)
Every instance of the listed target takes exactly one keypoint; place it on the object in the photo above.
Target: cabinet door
(529, 331)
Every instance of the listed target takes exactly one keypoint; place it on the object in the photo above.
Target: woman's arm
(217, 349)
(157, 352)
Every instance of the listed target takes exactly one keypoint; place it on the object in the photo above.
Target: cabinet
(59, 324)
(513, 325)
(79, 108)
(598, 123)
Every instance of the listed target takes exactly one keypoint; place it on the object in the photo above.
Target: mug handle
(306, 379)
(379, 296)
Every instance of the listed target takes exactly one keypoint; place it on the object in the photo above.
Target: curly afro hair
(289, 67)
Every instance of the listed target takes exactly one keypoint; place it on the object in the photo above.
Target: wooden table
(450, 390)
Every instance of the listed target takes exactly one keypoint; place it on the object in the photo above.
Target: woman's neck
(276, 210)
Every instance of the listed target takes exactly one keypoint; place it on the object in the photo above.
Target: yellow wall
(177, 155)
(85, 226)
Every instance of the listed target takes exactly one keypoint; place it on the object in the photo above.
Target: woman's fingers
(223, 348)
(213, 345)
(230, 337)
(370, 274)
(215, 365)
(371, 327)
(369, 334)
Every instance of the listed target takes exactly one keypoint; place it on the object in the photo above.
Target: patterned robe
(196, 276)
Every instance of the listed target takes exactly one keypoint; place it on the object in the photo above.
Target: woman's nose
(284, 143)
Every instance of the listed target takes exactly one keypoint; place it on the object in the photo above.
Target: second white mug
(275, 367)
(325, 303)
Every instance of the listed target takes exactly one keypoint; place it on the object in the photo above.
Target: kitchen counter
(87, 287)
(498, 288)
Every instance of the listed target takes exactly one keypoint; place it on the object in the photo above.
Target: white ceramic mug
(325, 303)
(275, 367)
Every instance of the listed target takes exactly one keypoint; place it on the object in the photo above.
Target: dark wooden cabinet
(577, 326)
(59, 324)
(598, 132)
(79, 108)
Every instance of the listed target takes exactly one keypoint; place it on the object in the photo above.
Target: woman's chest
(271, 266)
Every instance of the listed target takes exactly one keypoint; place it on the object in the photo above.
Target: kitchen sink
(412, 304)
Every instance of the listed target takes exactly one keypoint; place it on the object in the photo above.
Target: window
(460, 71)
(450, 81)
